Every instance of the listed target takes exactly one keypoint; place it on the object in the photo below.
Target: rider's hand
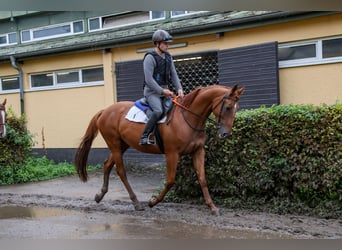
(168, 93)
(180, 93)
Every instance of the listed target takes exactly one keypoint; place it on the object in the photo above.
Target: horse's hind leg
(120, 169)
(107, 168)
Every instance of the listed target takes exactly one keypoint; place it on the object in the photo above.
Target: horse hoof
(98, 198)
(152, 202)
(138, 207)
(216, 212)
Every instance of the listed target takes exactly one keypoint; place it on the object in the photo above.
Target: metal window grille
(197, 70)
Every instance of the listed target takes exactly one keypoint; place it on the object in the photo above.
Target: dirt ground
(64, 208)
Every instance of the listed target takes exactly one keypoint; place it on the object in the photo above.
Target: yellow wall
(65, 113)
(62, 114)
(311, 85)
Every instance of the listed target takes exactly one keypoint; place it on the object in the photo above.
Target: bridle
(218, 123)
(3, 122)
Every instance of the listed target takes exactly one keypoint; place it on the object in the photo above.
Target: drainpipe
(21, 87)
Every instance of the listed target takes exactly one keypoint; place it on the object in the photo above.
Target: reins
(217, 124)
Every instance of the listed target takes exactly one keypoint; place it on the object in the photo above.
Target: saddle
(141, 112)
(142, 104)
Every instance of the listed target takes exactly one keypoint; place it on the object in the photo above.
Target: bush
(17, 164)
(285, 158)
(15, 148)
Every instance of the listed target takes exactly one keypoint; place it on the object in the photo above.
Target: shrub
(18, 165)
(286, 157)
(15, 148)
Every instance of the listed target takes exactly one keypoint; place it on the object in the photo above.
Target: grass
(37, 169)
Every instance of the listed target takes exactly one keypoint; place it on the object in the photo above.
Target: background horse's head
(3, 119)
(225, 110)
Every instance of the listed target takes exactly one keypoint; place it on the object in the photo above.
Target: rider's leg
(156, 105)
(148, 129)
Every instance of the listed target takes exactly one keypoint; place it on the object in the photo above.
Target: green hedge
(284, 159)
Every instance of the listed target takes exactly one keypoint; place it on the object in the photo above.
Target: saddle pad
(137, 115)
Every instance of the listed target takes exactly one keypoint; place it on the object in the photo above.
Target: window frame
(318, 59)
(70, 24)
(72, 84)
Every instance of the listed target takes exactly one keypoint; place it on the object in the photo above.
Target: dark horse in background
(184, 134)
(3, 119)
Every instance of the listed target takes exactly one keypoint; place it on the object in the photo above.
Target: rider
(159, 71)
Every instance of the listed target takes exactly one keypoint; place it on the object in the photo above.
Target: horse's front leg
(171, 167)
(198, 161)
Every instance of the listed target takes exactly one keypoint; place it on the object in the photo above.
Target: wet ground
(64, 208)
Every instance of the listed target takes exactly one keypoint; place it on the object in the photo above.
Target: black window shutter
(254, 67)
(130, 80)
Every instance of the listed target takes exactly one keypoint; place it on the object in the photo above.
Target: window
(310, 52)
(94, 24)
(72, 78)
(92, 75)
(297, 52)
(132, 17)
(178, 13)
(332, 48)
(9, 84)
(52, 31)
(67, 77)
(124, 19)
(7, 39)
(25, 36)
(197, 70)
(42, 80)
(157, 15)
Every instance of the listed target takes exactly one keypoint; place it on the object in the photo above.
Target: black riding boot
(144, 140)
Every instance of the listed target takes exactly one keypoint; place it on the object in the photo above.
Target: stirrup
(149, 140)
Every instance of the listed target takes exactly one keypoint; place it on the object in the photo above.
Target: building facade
(60, 68)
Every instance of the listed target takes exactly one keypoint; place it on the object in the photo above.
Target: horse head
(3, 119)
(225, 110)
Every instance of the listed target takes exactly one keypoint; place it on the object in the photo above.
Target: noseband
(225, 97)
(216, 123)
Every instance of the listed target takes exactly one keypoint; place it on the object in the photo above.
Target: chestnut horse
(3, 119)
(183, 134)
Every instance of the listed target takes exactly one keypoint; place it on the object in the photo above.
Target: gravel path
(65, 208)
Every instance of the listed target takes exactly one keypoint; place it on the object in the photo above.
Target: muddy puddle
(16, 212)
(54, 223)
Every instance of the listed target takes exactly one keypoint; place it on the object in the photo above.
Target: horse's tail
(81, 156)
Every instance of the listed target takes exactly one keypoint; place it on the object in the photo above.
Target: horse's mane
(191, 96)
(188, 99)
